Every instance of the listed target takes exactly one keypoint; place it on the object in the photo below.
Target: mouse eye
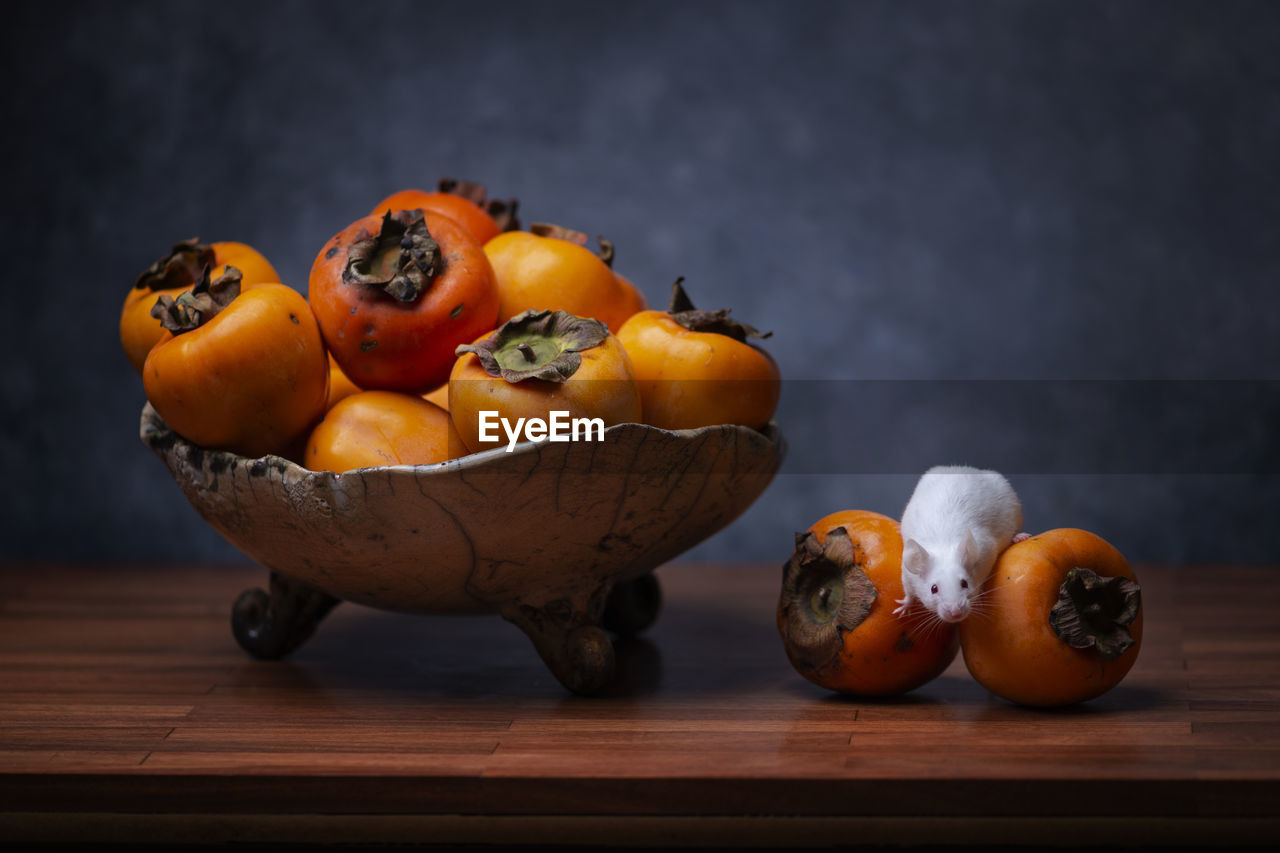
(934, 589)
(964, 584)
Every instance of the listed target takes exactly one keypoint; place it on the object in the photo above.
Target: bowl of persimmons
(459, 416)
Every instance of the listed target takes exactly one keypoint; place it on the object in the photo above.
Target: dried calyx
(181, 268)
(1094, 612)
(719, 322)
(401, 259)
(538, 345)
(825, 593)
(579, 238)
(502, 211)
(200, 304)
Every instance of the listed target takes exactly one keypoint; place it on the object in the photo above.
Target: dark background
(1043, 237)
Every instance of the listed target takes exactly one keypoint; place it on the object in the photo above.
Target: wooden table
(127, 712)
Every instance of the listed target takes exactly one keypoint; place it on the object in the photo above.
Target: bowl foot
(567, 634)
(632, 605)
(271, 625)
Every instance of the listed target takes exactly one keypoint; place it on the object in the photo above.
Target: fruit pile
(1058, 621)
(424, 315)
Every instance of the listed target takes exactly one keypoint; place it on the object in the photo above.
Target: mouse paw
(903, 605)
(1021, 537)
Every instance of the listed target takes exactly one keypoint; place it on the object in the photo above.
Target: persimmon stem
(1094, 612)
(502, 211)
(197, 306)
(180, 268)
(825, 593)
(538, 345)
(470, 190)
(606, 251)
(406, 275)
(719, 322)
(578, 238)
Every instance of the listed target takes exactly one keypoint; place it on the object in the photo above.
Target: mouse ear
(968, 551)
(914, 557)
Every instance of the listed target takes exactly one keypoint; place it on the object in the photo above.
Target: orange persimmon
(698, 368)
(549, 268)
(536, 363)
(440, 396)
(632, 301)
(1060, 621)
(372, 428)
(462, 201)
(340, 385)
(176, 272)
(835, 610)
(238, 371)
(396, 294)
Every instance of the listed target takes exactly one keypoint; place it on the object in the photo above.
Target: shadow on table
(440, 655)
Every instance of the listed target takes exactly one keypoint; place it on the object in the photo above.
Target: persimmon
(632, 301)
(698, 368)
(243, 371)
(440, 396)
(462, 201)
(1060, 621)
(340, 385)
(396, 294)
(373, 428)
(550, 268)
(835, 610)
(176, 272)
(539, 362)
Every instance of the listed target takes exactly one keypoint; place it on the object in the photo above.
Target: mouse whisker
(980, 602)
(933, 625)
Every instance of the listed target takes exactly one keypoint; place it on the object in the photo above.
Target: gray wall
(1040, 236)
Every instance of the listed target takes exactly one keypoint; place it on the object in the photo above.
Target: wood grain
(123, 695)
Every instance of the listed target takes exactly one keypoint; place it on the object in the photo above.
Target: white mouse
(957, 522)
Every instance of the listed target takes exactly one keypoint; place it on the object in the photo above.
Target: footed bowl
(560, 539)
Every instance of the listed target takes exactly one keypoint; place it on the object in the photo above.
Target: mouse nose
(953, 613)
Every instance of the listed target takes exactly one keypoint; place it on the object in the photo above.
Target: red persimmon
(397, 294)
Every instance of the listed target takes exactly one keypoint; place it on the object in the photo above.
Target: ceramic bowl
(560, 539)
